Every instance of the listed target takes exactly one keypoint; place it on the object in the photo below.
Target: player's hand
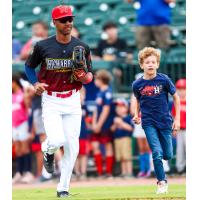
(96, 128)
(175, 127)
(136, 119)
(87, 78)
(117, 121)
(40, 87)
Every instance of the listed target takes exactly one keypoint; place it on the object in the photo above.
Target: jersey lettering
(55, 64)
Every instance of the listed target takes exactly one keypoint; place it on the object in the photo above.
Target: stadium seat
(91, 40)
(100, 64)
(128, 36)
(110, 2)
(175, 63)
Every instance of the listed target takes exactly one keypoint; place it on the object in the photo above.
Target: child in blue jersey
(122, 132)
(102, 121)
(151, 92)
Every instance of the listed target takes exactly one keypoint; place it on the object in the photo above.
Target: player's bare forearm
(94, 118)
(27, 100)
(113, 127)
(137, 107)
(177, 106)
(176, 124)
(136, 117)
(132, 105)
(103, 116)
(126, 126)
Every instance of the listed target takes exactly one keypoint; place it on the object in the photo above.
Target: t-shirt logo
(151, 90)
(156, 90)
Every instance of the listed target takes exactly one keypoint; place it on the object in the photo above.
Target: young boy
(101, 123)
(123, 129)
(151, 92)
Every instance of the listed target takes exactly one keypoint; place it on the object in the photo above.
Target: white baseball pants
(181, 150)
(62, 122)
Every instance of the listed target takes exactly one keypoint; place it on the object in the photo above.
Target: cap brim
(64, 16)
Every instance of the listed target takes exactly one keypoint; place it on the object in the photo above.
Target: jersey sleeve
(88, 59)
(35, 58)
(135, 90)
(129, 121)
(108, 98)
(170, 86)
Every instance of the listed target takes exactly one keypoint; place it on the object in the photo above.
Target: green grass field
(100, 193)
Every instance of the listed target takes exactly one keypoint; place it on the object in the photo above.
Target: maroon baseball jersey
(55, 60)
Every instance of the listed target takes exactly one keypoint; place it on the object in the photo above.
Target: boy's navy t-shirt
(84, 130)
(105, 98)
(153, 97)
(119, 133)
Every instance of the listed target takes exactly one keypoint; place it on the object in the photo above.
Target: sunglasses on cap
(65, 19)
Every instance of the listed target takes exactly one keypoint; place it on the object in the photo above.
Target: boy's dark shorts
(103, 137)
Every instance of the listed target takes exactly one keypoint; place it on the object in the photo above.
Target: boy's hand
(175, 127)
(117, 121)
(136, 119)
(96, 128)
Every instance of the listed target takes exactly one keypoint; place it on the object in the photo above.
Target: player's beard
(66, 30)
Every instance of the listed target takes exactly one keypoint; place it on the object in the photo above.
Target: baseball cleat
(162, 187)
(49, 162)
(62, 194)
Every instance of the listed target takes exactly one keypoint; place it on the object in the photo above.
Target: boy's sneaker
(108, 176)
(128, 176)
(162, 187)
(49, 162)
(62, 194)
(83, 177)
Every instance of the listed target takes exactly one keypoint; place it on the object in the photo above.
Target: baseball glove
(79, 68)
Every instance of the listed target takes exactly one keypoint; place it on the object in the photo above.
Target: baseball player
(151, 92)
(59, 82)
